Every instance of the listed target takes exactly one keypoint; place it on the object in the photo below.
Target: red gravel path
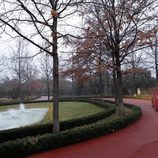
(139, 140)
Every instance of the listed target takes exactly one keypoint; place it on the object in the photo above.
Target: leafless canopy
(33, 19)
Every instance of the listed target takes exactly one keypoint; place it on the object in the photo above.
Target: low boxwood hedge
(13, 134)
(29, 145)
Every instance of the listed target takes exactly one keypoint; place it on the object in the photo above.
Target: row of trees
(23, 77)
(24, 80)
(9, 88)
(113, 29)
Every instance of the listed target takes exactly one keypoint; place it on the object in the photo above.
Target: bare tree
(2, 63)
(18, 65)
(152, 52)
(37, 22)
(30, 74)
(88, 61)
(133, 65)
(46, 71)
(120, 24)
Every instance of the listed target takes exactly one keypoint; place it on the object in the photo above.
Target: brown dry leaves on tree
(54, 13)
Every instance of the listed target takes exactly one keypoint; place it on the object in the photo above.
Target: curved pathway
(139, 140)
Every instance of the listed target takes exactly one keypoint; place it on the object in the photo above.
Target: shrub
(13, 134)
(29, 145)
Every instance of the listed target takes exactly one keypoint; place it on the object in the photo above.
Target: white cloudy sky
(6, 42)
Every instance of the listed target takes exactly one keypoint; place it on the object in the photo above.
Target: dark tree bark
(20, 78)
(156, 56)
(56, 126)
(114, 80)
(48, 92)
(101, 86)
(119, 86)
(46, 72)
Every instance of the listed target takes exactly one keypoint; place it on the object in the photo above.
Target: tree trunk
(114, 80)
(73, 86)
(134, 83)
(56, 126)
(47, 76)
(28, 83)
(20, 83)
(156, 62)
(101, 86)
(27, 89)
(48, 91)
(20, 89)
(119, 86)
(108, 83)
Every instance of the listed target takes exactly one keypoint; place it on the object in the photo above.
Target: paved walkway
(43, 98)
(139, 140)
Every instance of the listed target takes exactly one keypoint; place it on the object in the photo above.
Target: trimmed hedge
(29, 145)
(13, 134)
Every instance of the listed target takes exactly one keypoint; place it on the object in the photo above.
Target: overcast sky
(6, 42)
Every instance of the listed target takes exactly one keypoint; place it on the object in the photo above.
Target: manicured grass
(70, 110)
(67, 110)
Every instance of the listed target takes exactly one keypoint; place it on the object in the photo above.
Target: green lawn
(68, 110)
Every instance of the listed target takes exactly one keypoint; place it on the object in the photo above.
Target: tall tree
(41, 18)
(142, 80)
(18, 65)
(46, 71)
(2, 63)
(133, 66)
(88, 60)
(151, 39)
(120, 22)
(30, 74)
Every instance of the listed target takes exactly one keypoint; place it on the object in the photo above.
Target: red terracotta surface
(155, 100)
(139, 140)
